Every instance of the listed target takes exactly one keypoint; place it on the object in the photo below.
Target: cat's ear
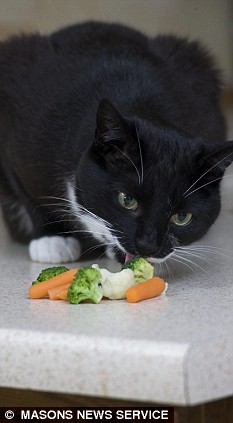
(112, 130)
(217, 158)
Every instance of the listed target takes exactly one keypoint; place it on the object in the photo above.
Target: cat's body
(163, 97)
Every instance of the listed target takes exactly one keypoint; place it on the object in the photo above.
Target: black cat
(107, 133)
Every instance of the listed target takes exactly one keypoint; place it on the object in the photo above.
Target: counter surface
(174, 349)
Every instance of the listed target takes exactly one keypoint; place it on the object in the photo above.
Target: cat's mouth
(128, 256)
(152, 260)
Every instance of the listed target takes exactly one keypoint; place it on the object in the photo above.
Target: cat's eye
(182, 218)
(127, 201)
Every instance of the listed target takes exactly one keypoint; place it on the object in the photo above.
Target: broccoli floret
(49, 273)
(86, 286)
(141, 268)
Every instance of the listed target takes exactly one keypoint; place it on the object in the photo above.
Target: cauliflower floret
(115, 285)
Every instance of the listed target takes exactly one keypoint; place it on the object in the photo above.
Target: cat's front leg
(55, 249)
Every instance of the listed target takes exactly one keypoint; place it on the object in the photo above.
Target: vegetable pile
(135, 282)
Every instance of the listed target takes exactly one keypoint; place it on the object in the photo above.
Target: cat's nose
(146, 245)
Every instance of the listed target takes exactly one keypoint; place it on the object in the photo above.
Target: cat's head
(153, 188)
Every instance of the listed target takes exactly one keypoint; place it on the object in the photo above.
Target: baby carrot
(40, 289)
(53, 292)
(145, 290)
(63, 294)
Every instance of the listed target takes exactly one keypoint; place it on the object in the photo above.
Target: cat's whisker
(170, 274)
(91, 249)
(91, 232)
(82, 231)
(202, 186)
(95, 247)
(100, 225)
(213, 247)
(192, 262)
(52, 197)
(161, 267)
(65, 217)
(112, 260)
(210, 249)
(212, 257)
(100, 222)
(133, 164)
(100, 256)
(205, 173)
(72, 220)
(199, 256)
(194, 250)
(55, 204)
(71, 177)
(65, 205)
(191, 253)
(199, 250)
(99, 219)
(140, 152)
(67, 211)
(57, 221)
(171, 264)
(180, 261)
(77, 188)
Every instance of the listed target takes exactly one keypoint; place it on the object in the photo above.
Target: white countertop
(174, 349)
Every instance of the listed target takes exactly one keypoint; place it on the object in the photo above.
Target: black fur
(55, 123)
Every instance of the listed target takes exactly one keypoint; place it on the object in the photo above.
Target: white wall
(208, 20)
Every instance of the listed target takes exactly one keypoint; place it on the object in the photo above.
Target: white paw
(54, 249)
